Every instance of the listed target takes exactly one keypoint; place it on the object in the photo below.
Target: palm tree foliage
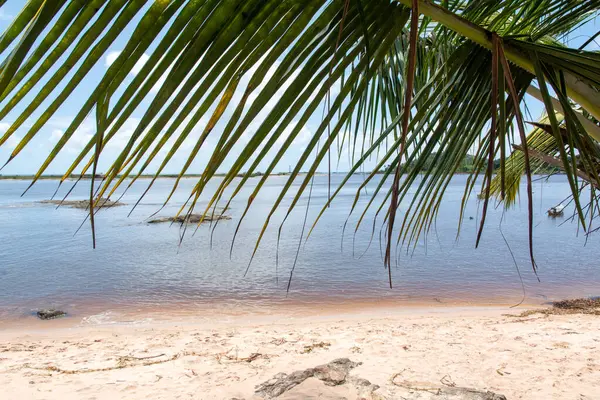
(474, 60)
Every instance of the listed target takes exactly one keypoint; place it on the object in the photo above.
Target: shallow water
(140, 267)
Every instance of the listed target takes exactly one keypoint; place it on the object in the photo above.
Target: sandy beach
(407, 353)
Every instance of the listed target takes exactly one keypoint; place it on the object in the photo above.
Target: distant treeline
(468, 166)
(147, 176)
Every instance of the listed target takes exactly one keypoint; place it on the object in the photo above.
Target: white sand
(537, 357)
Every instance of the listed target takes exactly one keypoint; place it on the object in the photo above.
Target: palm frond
(260, 69)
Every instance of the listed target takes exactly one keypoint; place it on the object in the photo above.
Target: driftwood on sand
(84, 204)
(332, 374)
(336, 374)
(191, 219)
(444, 391)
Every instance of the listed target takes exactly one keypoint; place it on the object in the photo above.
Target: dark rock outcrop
(83, 204)
(50, 314)
(192, 219)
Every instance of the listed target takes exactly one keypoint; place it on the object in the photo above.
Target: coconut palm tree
(398, 81)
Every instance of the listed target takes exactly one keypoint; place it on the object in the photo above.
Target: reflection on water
(138, 266)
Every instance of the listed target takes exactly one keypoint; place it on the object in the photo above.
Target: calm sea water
(139, 266)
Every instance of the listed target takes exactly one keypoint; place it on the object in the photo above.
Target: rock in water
(50, 314)
(84, 204)
(190, 219)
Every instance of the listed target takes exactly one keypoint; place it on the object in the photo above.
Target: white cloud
(13, 140)
(301, 138)
(112, 56)
(161, 80)
(86, 131)
(6, 17)
(77, 141)
(140, 64)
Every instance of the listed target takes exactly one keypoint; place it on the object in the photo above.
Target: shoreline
(161, 320)
(217, 311)
(531, 357)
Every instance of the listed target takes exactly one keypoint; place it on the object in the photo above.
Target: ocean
(137, 267)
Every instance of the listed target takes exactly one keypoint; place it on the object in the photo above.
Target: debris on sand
(84, 204)
(589, 305)
(310, 347)
(331, 374)
(426, 390)
(578, 304)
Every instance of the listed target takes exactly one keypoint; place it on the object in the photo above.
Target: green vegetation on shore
(146, 176)
(468, 166)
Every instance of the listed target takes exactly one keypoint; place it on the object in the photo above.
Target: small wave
(104, 318)
(18, 205)
(112, 318)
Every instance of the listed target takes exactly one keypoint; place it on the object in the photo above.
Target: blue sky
(33, 155)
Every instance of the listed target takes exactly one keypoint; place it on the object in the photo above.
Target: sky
(33, 155)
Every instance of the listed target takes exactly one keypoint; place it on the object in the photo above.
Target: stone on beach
(50, 314)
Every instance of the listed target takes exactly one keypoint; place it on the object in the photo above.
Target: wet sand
(402, 350)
